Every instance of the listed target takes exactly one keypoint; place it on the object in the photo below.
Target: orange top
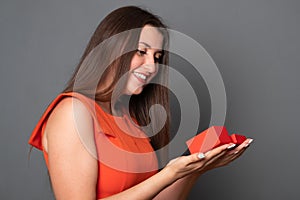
(125, 156)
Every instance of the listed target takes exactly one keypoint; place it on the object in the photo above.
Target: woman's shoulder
(69, 121)
(68, 110)
(69, 113)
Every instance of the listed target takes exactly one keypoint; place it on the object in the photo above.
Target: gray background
(255, 44)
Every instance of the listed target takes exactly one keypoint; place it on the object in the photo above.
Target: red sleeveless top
(125, 155)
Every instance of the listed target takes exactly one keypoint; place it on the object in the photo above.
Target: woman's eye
(141, 52)
(158, 58)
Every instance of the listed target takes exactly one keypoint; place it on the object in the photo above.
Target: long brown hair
(113, 60)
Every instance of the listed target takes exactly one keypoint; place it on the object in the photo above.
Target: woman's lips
(140, 76)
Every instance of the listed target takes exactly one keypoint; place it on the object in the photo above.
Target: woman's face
(144, 63)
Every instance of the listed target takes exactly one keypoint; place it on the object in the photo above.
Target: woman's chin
(138, 91)
(134, 92)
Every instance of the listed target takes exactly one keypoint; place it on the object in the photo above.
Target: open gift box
(211, 138)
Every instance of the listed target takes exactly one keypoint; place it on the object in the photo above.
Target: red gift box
(211, 138)
(238, 139)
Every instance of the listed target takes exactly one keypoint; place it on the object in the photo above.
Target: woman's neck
(107, 107)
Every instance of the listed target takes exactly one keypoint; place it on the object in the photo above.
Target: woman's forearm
(147, 189)
(159, 187)
(180, 189)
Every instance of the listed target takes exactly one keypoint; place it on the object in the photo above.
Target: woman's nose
(150, 64)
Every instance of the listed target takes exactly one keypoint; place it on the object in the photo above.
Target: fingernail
(236, 152)
(251, 140)
(231, 146)
(207, 153)
(201, 155)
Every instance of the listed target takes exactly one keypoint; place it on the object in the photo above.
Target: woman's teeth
(142, 76)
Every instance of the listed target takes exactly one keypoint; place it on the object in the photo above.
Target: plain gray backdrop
(255, 44)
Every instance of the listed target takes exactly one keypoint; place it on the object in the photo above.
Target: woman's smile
(141, 77)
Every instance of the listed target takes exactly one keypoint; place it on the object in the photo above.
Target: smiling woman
(97, 147)
(144, 63)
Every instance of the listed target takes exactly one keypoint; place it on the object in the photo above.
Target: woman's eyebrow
(144, 43)
(148, 46)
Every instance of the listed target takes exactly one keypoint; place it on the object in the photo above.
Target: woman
(98, 137)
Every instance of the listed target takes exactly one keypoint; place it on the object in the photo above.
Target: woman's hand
(199, 163)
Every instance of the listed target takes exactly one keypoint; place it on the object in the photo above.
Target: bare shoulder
(71, 121)
(68, 109)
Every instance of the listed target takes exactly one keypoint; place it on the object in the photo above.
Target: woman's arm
(73, 167)
(73, 170)
(182, 187)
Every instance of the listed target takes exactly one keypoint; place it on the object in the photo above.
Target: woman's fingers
(241, 149)
(209, 156)
(223, 155)
(242, 146)
(196, 157)
(217, 157)
(233, 154)
(219, 151)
